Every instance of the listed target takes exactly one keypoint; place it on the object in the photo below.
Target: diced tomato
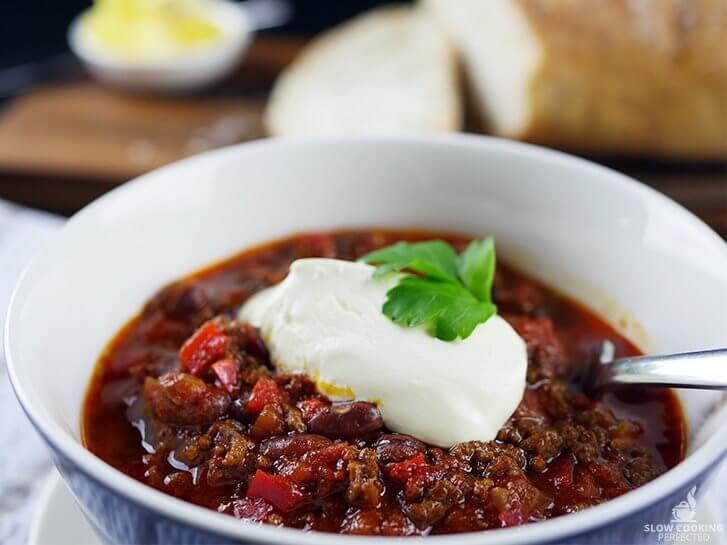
(605, 473)
(311, 407)
(560, 472)
(227, 373)
(320, 466)
(585, 483)
(275, 490)
(300, 472)
(206, 346)
(327, 455)
(250, 509)
(513, 516)
(265, 392)
(403, 471)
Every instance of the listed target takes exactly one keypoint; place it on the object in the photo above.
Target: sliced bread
(627, 76)
(391, 69)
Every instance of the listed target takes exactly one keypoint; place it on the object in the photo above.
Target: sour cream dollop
(325, 320)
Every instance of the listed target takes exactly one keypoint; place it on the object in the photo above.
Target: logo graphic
(685, 511)
(684, 526)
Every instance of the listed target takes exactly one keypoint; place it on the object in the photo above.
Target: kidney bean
(347, 420)
(396, 447)
(182, 399)
(248, 339)
(183, 301)
(292, 446)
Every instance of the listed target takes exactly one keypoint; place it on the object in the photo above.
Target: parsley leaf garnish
(476, 267)
(433, 258)
(447, 307)
(449, 294)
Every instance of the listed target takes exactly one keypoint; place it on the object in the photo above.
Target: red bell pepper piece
(203, 348)
(275, 490)
(403, 471)
(227, 373)
(265, 392)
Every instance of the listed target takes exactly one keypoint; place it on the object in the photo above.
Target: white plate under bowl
(58, 520)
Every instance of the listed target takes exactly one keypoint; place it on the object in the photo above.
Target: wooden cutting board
(64, 144)
(88, 131)
(80, 129)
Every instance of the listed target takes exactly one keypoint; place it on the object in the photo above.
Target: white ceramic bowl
(196, 70)
(628, 252)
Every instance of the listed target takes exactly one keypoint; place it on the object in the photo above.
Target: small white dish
(198, 69)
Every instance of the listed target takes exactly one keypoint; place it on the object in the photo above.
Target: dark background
(36, 29)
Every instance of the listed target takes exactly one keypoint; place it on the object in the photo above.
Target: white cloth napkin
(23, 459)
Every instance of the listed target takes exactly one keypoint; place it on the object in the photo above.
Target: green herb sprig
(450, 294)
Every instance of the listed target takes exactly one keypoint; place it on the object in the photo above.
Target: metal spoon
(706, 370)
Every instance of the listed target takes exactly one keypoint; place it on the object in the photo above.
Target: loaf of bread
(644, 77)
(392, 69)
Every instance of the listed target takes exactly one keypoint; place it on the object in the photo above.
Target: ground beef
(364, 480)
(546, 353)
(184, 302)
(435, 504)
(481, 456)
(232, 455)
(545, 443)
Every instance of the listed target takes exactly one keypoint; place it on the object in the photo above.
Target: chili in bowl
(186, 399)
(268, 396)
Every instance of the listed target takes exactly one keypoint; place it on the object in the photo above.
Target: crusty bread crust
(390, 69)
(640, 77)
(637, 77)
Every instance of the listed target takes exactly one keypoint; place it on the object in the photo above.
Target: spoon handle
(706, 370)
